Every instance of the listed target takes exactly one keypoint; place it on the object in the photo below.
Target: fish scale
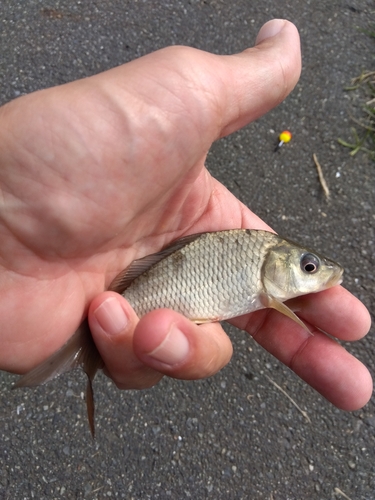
(211, 278)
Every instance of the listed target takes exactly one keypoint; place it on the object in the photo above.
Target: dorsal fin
(124, 279)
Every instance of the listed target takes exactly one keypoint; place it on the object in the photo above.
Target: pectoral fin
(271, 302)
(79, 350)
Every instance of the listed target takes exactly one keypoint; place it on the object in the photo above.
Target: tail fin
(79, 350)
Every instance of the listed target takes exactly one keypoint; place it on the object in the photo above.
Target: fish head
(290, 270)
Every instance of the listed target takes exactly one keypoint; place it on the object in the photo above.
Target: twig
(290, 399)
(338, 491)
(321, 177)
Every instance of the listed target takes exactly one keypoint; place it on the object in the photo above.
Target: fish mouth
(336, 279)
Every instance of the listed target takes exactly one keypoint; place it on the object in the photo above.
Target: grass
(364, 87)
(364, 136)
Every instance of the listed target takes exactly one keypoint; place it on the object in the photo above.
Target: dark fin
(139, 266)
(92, 363)
(79, 350)
(90, 404)
(269, 301)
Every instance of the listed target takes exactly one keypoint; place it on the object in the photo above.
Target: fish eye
(309, 263)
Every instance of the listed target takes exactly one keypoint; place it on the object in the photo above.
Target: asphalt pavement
(235, 435)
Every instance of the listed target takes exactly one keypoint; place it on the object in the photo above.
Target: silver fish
(206, 277)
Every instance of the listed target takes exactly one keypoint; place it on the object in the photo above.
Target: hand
(104, 170)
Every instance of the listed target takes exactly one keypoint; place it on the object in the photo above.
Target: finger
(173, 345)
(317, 359)
(261, 77)
(216, 94)
(335, 311)
(112, 323)
(333, 372)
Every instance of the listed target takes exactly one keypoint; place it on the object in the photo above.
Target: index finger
(335, 311)
(317, 359)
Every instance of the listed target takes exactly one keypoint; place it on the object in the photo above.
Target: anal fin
(79, 350)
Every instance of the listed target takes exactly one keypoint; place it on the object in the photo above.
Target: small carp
(206, 277)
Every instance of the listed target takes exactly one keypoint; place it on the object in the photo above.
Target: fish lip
(337, 279)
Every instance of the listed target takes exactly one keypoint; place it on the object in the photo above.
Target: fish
(207, 277)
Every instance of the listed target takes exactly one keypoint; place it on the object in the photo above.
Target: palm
(74, 215)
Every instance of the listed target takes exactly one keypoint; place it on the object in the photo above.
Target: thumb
(260, 77)
(214, 94)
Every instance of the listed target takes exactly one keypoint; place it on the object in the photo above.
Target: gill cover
(286, 274)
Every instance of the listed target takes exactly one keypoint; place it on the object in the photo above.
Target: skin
(101, 171)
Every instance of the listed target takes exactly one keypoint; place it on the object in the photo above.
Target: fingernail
(111, 316)
(173, 349)
(270, 29)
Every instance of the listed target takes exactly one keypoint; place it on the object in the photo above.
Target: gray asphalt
(233, 436)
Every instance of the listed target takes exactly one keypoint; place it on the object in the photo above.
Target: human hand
(104, 170)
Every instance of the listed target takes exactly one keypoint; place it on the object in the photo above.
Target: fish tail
(79, 350)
